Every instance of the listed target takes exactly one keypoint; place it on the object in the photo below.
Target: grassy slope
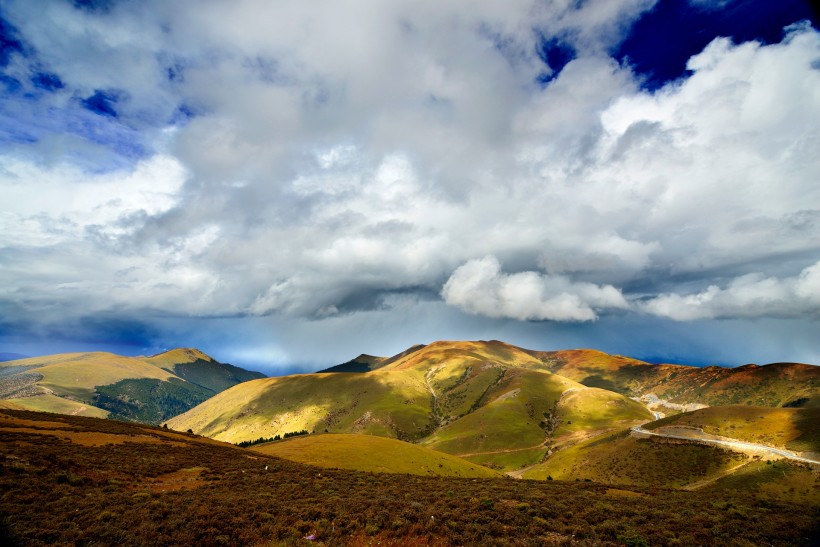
(58, 405)
(389, 405)
(490, 400)
(595, 409)
(370, 453)
(791, 428)
(509, 417)
(393, 401)
(770, 385)
(77, 374)
(196, 367)
(69, 480)
(618, 458)
(147, 389)
(779, 480)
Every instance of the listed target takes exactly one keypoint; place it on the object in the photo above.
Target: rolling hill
(146, 389)
(676, 386)
(374, 454)
(490, 402)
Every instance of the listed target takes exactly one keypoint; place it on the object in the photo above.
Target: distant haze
(286, 185)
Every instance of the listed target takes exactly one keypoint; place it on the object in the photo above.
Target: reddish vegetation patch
(160, 493)
(176, 480)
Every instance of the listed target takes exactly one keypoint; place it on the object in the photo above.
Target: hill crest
(148, 389)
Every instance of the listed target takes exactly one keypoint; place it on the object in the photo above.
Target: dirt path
(504, 451)
(725, 473)
(697, 435)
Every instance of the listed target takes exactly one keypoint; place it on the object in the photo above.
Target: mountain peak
(182, 355)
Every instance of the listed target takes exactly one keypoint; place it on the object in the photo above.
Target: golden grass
(77, 374)
(452, 352)
(487, 401)
(794, 428)
(89, 439)
(175, 357)
(370, 453)
(58, 405)
(395, 405)
(585, 409)
(618, 458)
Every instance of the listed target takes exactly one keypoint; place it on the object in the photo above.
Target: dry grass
(369, 453)
(53, 491)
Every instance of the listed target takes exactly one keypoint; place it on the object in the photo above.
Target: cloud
(480, 287)
(309, 162)
(749, 296)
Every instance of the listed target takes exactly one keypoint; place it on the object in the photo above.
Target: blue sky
(288, 185)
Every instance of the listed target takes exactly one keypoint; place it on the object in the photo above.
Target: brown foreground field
(84, 481)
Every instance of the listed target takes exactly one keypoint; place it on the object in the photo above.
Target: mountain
(147, 389)
(6, 356)
(489, 402)
(72, 480)
(366, 363)
(362, 363)
(672, 387)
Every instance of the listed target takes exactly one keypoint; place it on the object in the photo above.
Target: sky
(286, 185)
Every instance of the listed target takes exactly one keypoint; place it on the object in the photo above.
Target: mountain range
(572, 415)
(495, 404)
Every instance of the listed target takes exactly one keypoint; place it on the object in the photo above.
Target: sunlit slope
(490, 402)
(396, 405)
(146, 389)
(201, 369)
(408, 398)
(774, 385)
(370, 453)
(457, 352)
(77, 374)
(618, 458)
(55, 404)
(791, 428)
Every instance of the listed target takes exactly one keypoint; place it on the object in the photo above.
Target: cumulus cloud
(311, 160)
(480, 287)
(752, 295)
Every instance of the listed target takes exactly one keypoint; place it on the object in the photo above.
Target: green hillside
(146, 389)
(619, 458)
(490, 402)
(374, 454)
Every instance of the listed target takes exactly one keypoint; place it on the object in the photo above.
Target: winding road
(734, 444)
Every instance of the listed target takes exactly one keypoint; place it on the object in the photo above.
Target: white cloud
(752, 295)
(343, 151)
(48, 205)
(480, 287)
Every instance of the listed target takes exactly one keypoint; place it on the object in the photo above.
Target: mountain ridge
(148, 389)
